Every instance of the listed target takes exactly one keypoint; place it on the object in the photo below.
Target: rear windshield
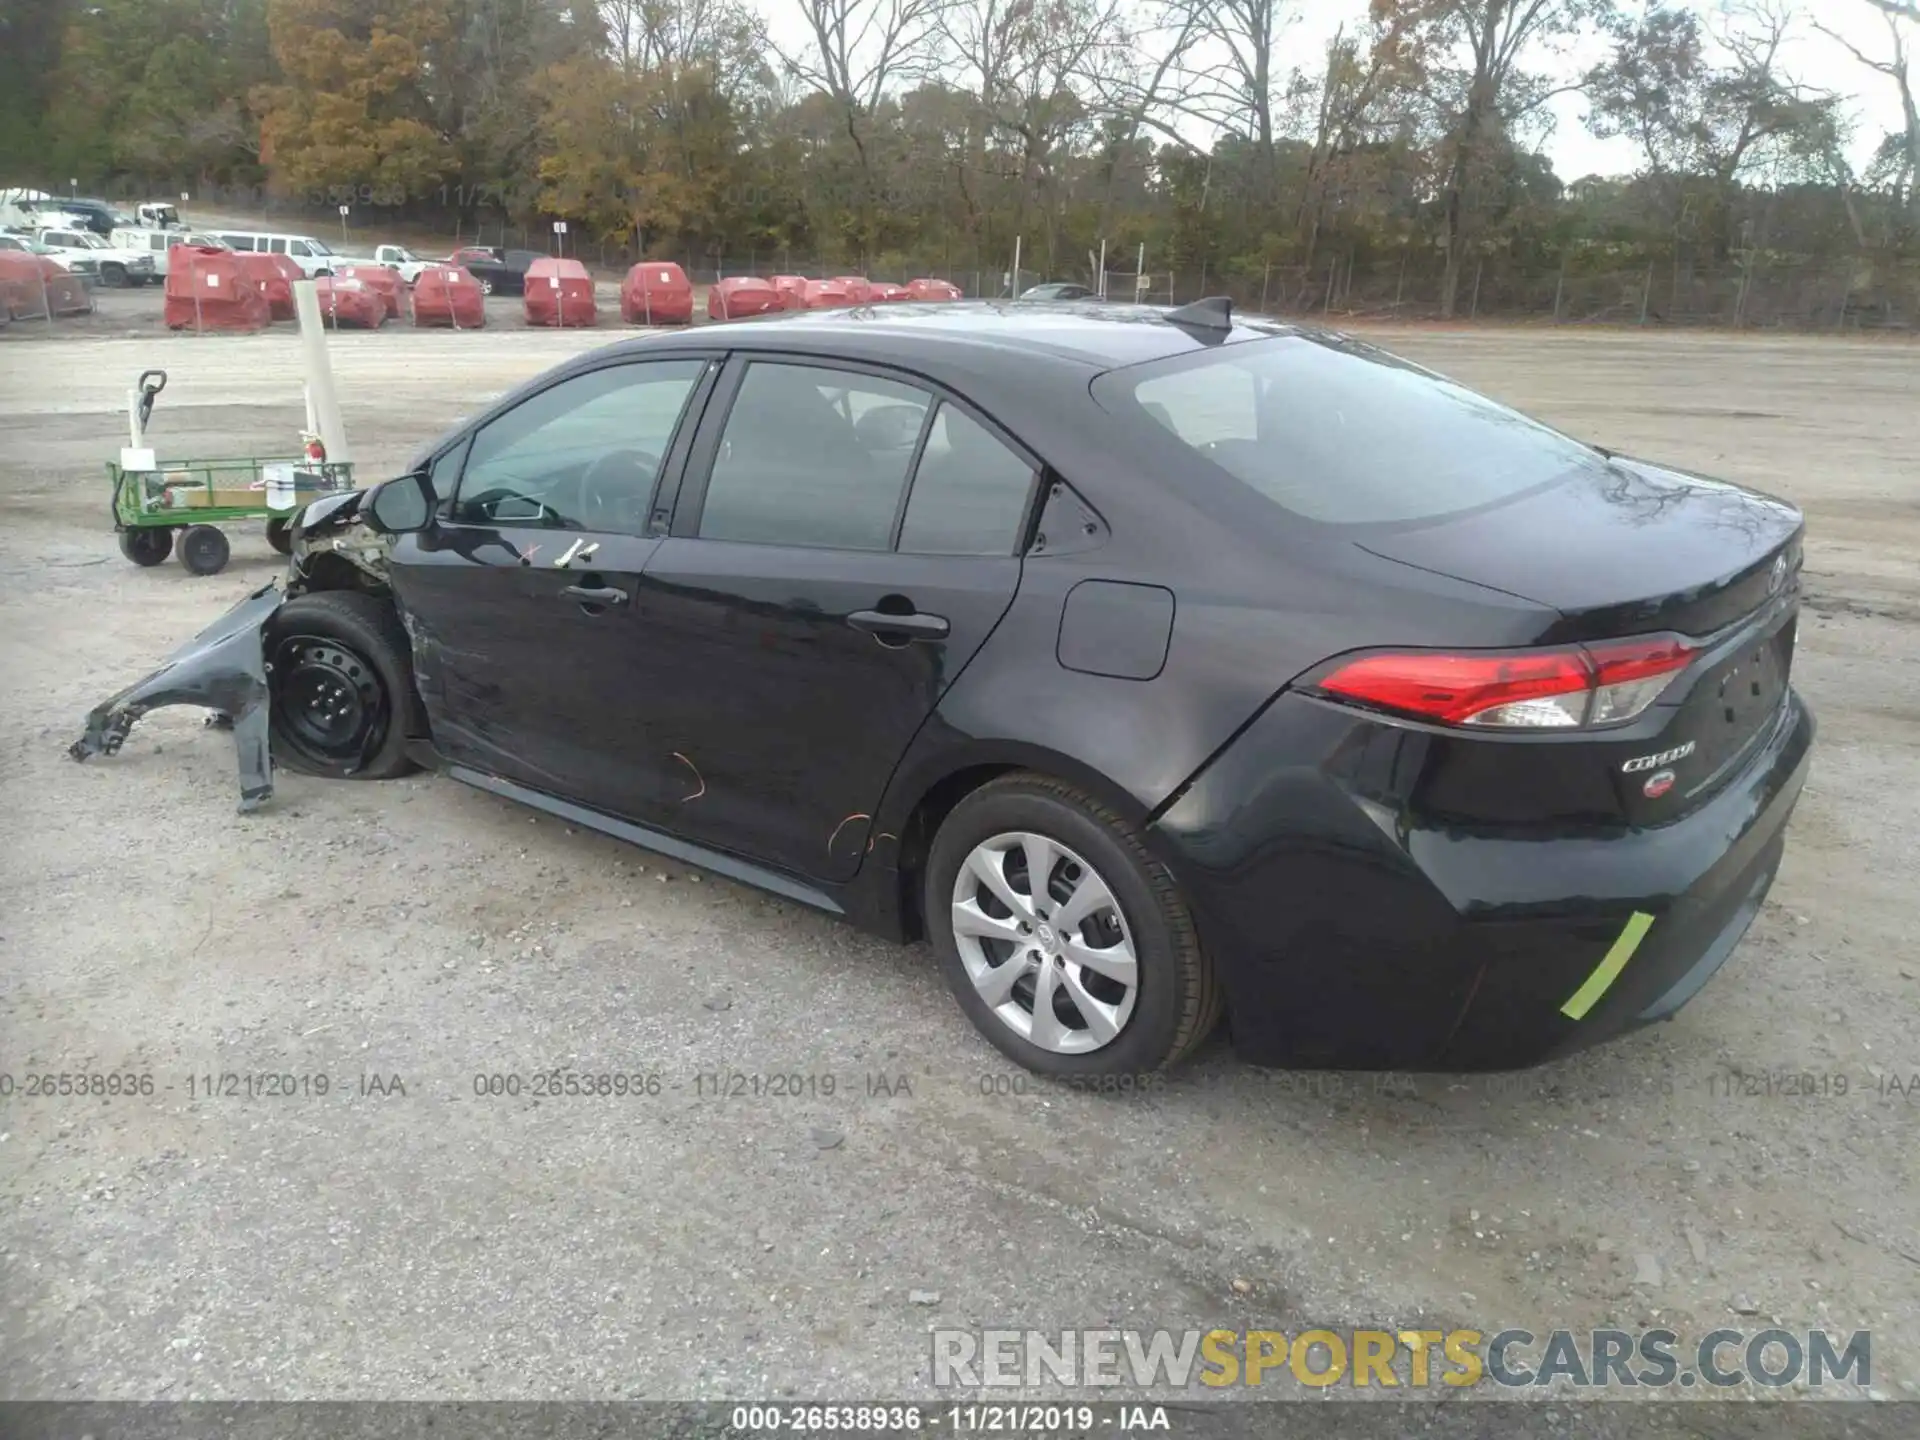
(1344, 434)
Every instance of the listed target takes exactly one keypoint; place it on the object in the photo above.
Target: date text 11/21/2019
(971, 1419)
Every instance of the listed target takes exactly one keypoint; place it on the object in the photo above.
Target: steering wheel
(614, 488)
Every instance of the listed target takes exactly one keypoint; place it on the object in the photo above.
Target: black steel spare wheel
(330, 699)
(342, 684)
(148, 545)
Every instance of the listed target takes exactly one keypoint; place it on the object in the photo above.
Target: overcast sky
(1812, 59)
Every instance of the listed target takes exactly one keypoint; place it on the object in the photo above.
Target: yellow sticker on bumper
(1608, 970)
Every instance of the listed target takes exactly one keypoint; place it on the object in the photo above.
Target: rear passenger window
(969, 494)
(277, 245)
(813, 456)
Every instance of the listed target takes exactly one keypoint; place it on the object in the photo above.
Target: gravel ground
(403, 1236)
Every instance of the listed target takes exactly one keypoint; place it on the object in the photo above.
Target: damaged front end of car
(225, 668)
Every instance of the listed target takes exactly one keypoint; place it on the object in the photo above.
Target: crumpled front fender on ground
(223, 668)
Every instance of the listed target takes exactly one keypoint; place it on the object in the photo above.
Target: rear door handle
(920, 627)
(595, 594)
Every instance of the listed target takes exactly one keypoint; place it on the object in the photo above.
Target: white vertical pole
(319, 373)
(1014, 294)
(1102, 286)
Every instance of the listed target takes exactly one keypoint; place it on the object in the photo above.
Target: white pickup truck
(118, 264)
(398, 257)
(158, 215)
(158, 242)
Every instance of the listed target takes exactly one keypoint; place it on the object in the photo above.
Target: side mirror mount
(401, 506)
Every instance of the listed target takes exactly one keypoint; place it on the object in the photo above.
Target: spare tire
(340, 672)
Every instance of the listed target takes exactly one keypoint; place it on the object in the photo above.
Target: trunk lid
(1621, 549)
(1631, 550)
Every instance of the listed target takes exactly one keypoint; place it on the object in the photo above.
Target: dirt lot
(437, 1243)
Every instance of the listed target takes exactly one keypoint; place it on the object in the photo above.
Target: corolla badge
(1655, 762)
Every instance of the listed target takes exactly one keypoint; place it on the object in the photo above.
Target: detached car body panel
(631, 602)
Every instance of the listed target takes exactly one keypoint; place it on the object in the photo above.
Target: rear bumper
(1350, 937)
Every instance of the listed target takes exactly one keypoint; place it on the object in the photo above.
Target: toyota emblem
(1778, 576)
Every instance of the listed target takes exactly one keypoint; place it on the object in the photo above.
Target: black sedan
(1057, 290)
(1150, 664)
(500, 272)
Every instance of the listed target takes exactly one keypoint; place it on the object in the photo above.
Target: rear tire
(1105, 898)
(280, 535)
(147, 546)
(341, 675)
(204, 549)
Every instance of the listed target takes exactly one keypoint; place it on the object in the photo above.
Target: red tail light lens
(1524, 690)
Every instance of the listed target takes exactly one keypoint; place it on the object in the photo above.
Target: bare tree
(1362, 72)
(859, 50)
(1489, 93)
(1059, 47)
(1143, 98)
(981, 35)
(1898, 69)
(1248, 34)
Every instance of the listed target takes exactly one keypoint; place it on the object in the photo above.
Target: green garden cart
(163, 505)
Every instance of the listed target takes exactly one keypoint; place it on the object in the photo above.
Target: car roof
(1104, 338)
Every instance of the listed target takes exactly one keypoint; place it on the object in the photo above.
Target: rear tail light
(1561, 689)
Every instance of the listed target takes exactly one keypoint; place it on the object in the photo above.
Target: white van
(159, 242)
(305, 251)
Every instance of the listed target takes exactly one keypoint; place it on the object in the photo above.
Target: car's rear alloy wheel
(1065, 942)
(1044, 943)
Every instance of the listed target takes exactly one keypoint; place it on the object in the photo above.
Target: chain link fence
(1586, 282)
(1849, 293)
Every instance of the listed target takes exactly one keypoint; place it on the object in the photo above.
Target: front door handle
(595, 594)
(917, 626)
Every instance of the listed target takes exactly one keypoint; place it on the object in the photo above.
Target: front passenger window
(580, 455)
